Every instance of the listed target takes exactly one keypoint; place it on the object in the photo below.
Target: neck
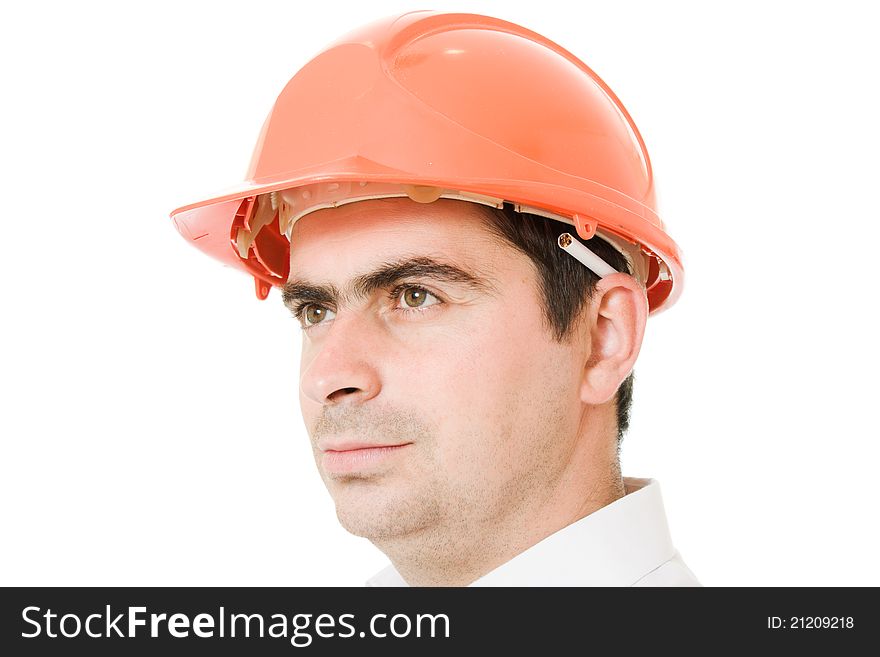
(460, 550)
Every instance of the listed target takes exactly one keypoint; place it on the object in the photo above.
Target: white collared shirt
(625, 543)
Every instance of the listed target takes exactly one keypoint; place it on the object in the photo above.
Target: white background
(150, 427)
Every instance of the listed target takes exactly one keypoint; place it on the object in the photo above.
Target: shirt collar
(615, 545)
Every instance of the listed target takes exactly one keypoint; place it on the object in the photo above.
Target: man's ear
(617, 316)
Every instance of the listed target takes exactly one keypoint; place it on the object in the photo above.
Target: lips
(341, 458)
(350, 445)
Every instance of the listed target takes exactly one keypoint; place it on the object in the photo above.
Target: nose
(342, 366)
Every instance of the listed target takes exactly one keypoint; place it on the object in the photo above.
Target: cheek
(463, 366)
(484, 385)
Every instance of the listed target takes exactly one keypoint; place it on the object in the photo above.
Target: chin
(369, 525)
(384, 515)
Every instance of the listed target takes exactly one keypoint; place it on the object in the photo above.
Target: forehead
(358, 235)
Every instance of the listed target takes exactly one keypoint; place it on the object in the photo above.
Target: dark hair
(559, 275)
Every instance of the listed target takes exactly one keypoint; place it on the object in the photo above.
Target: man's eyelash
(300, 308)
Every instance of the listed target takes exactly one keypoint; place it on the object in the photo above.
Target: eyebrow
(297, 291)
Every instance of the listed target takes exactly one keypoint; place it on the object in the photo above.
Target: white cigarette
(586, 257)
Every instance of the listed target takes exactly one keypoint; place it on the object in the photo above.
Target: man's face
(432, 389)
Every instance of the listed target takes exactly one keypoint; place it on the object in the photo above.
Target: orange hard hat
(432, 105)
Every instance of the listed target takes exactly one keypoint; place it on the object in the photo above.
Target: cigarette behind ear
(586, 257)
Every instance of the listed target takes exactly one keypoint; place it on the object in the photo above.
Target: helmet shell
(456, 101)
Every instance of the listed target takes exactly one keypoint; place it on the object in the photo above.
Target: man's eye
(313, 314)
(417, 297)
(408, 299)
